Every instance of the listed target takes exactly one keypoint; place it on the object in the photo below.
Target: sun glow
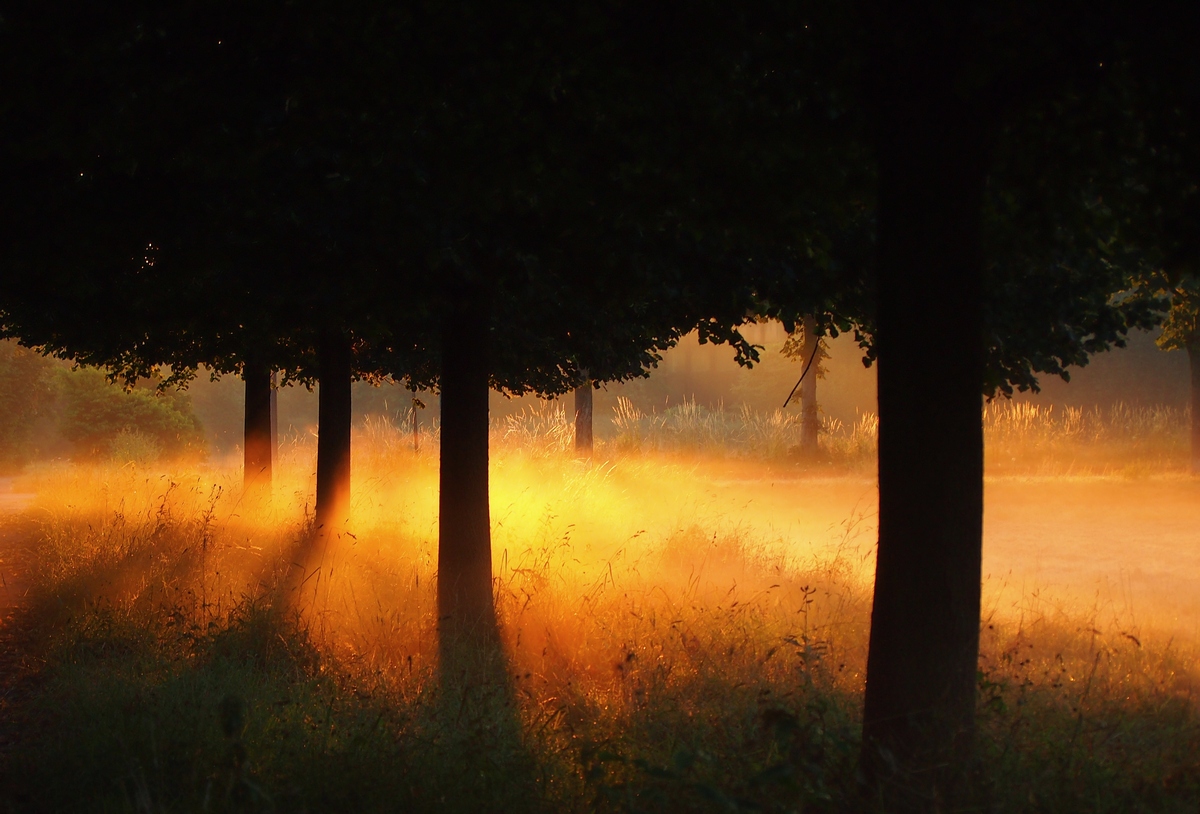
(643, 591)
(577, 545)
(585, 553)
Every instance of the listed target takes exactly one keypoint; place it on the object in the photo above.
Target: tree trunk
(918, 720)
(1193, 351)
(257, 439)
(583, 417)
(335, 362)
(464, 522)
(809, 420)
(274, 416)
(416, 423)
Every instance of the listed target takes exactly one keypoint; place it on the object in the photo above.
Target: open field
(682, 632)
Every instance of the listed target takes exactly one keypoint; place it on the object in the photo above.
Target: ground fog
(683, 629)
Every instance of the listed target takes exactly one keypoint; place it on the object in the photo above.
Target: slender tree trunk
(274, 416)
(257, 441)
(416, 423)
(583, 417)
(809, 419)
(918, 721)
(1193, 351)
(335, 361)
(464, 522)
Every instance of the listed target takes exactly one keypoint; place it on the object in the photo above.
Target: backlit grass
(662, 651)
(1022, 438)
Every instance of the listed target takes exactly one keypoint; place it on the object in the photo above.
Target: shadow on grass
(479, 720)
(254, 717)
(147, 708)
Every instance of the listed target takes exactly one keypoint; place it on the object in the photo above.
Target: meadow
(684, 622)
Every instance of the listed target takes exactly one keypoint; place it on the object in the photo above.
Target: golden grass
(1026, 438)
(664, 651)
(1022, 438)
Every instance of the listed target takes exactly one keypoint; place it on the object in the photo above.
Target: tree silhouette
(522, 196)
(208, 223)
(943, 85)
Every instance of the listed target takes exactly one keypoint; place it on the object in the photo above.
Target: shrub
(101, 419)
(26, 395)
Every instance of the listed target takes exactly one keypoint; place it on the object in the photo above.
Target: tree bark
(809, 419)
(464, 522)
(416, 423)
(257, 439)
(583, 417)
(335, 362)
(274, 416)
(1193, 351)
(918, 720)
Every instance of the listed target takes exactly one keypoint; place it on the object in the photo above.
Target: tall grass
(684, 664)
(1021, 437)
(163, 608)
(1028, 437)
(692, 428)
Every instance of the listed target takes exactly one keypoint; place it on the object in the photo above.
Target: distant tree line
(540, 197)
(49, 408)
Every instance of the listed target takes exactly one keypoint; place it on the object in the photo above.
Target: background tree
(583, 415)
(807, 347)
(1181, 331)
(26, 392)
(1161, 89)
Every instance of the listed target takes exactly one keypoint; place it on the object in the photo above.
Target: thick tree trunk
(918, 721)
(335, 361)
(583, 417)
(257, 439)
(1193, 351)
(464, 521)
(809, 419)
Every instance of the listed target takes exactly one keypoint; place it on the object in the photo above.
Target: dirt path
(1127, 551)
